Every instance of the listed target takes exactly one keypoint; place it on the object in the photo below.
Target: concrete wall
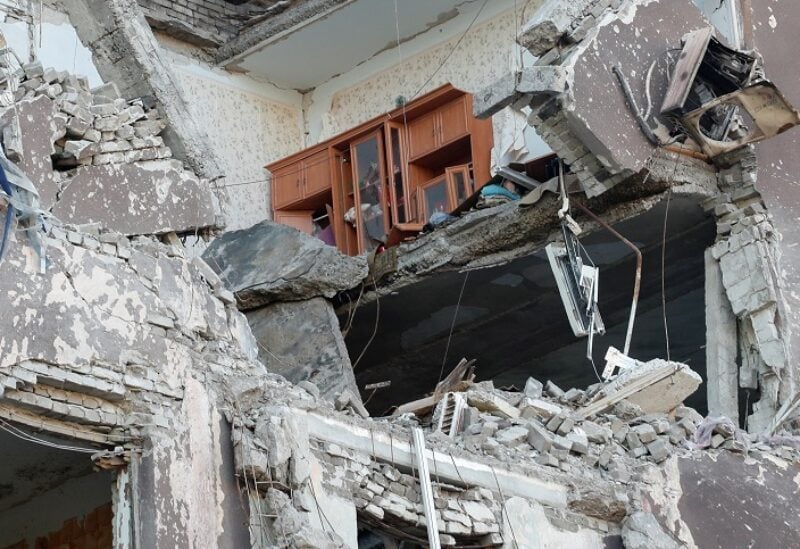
(188, 495)
(774, 34)
(249, 123)
(47, 512)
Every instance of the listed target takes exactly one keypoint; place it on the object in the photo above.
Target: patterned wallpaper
(485, 54)
(247, 131)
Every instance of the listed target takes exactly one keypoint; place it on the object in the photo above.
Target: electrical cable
(452, 325)
(664, 255)
(12, 430)
(452, 50)
(375, 329)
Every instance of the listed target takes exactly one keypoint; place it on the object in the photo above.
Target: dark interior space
(512, 321)
(50, 494)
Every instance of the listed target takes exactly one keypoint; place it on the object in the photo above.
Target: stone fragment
(641, 530)
(301, 341)
(537, 408)
(547, 459)
(533, 388)
(632, 440)
(148, 128)
(645, 432)
(108, 91)
(271, 262)
(555, 422)
(346, 399)
(550, 23)
(491, 403)
(580, 443)
(79, 149)
(539, 437)
(596, 433)
(553, 390)
(659, 449)
(566, 426)
(512, 436)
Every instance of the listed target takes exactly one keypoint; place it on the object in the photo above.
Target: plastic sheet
(718, 425)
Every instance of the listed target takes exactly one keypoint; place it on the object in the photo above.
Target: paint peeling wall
(249, 124)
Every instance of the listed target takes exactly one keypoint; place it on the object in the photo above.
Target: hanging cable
(452, 50)
(453, 325)
(19, 433)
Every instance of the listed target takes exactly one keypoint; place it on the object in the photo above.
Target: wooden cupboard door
(454, 120)
(422, 137)
(300, 220)
(286, 185)
(317, 173)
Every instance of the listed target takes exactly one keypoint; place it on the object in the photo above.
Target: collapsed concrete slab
(301, 341)
(270, 262)
(137, 198)
(658, 386)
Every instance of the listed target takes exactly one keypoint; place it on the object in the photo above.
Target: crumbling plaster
(140, 363)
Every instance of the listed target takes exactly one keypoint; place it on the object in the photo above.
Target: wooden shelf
(438, 129)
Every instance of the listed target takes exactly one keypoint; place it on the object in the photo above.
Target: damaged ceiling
(512, 321)
(324, 46)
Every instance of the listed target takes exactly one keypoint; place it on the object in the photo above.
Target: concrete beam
(721, 345)
(450, 468)
(126, 52)
(271, 27)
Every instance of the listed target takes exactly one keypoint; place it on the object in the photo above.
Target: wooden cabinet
(438, 128)
(286, 185)
(454, 121)
(302, 179)
(380, 181)
(299, 219)
(316, 173)
(422, 134)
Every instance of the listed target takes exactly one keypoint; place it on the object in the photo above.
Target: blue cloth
(498, 190)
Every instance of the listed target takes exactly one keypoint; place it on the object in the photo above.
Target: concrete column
(721, 345)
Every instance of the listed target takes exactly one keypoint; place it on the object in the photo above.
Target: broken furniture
(389, 174)
(577, 284)
(718, 96)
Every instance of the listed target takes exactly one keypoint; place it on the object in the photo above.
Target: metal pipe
(637, 281)
(426, 489)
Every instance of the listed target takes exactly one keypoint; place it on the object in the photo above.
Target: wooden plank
(680, 83)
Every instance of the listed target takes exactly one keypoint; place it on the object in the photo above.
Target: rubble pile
(540, 424)
(384, 494)
(543, 424)
(98, 125)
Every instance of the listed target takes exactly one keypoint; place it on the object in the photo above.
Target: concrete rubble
(270, 262)
(219, 389)
(78, 142)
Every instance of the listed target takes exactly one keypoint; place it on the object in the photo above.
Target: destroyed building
(384, 274)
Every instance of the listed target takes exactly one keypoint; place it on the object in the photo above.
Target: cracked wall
(77, 142)
(123, 343)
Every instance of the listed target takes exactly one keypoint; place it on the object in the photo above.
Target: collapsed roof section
(607, 67)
